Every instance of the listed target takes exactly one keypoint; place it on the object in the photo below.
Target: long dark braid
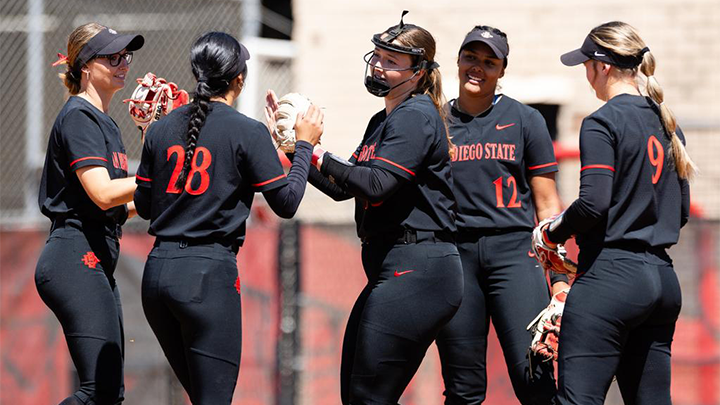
(216, 58)
(199, 110)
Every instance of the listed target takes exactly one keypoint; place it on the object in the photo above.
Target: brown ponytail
(76, 41)
(430, 82)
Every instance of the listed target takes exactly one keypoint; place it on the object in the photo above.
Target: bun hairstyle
(216, 59)
(76, 42)
(624, 41)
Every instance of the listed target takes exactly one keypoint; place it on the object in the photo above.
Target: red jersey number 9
(194, 168)
(657, 157)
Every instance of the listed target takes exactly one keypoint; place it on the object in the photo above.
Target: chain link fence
(32, 32)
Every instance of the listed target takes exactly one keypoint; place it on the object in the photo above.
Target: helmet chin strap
(380, 88)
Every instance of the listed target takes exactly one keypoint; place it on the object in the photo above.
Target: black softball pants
(192, 303)
(412, 291)
(503, 284)
(74, 277)
(619, 320)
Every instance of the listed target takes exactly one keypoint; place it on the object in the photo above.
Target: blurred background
(300, 277)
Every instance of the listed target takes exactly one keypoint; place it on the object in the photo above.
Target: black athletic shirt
(234, 159)
(496, 154)
(81, 136)
(411, 143)
(644, 202)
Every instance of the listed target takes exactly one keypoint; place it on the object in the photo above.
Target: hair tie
(62, 59)
(433, 65)
(208, 80)
(644, 51)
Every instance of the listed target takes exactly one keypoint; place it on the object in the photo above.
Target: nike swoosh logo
(501, 127)
(599, 54)
(400, 273)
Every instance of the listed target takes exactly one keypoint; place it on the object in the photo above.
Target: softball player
(504, 175)
(401, 179)
(201, 166)
(620, 315)
(87, 195)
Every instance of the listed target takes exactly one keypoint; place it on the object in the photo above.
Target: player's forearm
(369, 183)
(113, 193)
(327, 187)
(585, 212)
(685, 204)
(103, 191)
(284, 201)
(545, 196)
(142, 203)
(132, 211)
(118, 192)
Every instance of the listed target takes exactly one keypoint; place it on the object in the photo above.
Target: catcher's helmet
(384, 40)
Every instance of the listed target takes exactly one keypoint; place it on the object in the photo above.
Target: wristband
(317, 155)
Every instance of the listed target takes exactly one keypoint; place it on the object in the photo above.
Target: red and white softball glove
(551, 256)
(545, 328)
(154, 98)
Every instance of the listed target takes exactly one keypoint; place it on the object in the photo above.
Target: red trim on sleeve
(269, 181)
(88, 158)
(542, 166)
(612, 169)
(355, 155)
(394, 164)
(142, 178)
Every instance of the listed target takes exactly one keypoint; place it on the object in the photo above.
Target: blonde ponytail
(684, 165)
(623, 39)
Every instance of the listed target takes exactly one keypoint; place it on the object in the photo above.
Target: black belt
(184, 243)
(87, 225)
(410, 236)
(635, 246)
(473, 234)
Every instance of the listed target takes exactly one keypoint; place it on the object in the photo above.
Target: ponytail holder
(62, 59)
(203, 79)
(644, 51)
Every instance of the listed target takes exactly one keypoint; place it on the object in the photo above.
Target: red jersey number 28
(657, 157)
(194, 168)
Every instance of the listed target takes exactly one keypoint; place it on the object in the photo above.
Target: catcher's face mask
(378, 86)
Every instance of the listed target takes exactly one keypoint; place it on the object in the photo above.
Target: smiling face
(105, 77)
(479, 70)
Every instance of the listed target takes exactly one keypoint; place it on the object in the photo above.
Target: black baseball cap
(496, 42)
(591, 50)
(107, 42)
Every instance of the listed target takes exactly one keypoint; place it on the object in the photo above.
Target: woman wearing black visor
(87, 194)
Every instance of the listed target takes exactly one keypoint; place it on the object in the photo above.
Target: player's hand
(271, 109)
(545, 328)
(551, 256)
(310, 127)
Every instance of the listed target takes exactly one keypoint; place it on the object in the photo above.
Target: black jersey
(234, 158)
(81, 136)
(625, 140)
(497, 153)
(411, 143)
